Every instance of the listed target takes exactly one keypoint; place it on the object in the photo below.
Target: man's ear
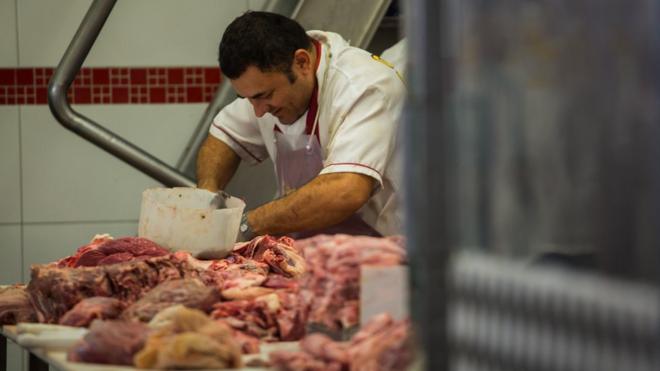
(302, 60)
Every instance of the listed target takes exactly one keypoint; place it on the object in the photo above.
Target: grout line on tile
(20, 183)
(18, 57)
(20, 157)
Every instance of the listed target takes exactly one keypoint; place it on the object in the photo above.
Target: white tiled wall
(10, 181)
(139, 32)
(56, 189)
(8, 41)
(57, 180)
(61, 169)
(257, 4)
(10, 250)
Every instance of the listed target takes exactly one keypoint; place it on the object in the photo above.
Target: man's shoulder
(358, 69)
(345, 57)
(354, 70)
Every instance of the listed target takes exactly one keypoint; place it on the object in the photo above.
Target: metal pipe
(224, 95)
(57, 101)
(426, 151)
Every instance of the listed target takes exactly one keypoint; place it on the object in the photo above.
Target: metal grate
(505, 316)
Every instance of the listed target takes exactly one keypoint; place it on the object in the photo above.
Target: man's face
(274, 93)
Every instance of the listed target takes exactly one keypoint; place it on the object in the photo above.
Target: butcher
(326, 113)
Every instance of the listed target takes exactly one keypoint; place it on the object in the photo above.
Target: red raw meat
(243, 280)
(249, 344)
(190, 292)
(332, 281)
(53, 290)
(110, 342)
(15, 305)
(70, 261)
(277, 281)
(87, 310)
(104, 250)
(277, 316)
(381, 345)
(120, 250)
(279, 253)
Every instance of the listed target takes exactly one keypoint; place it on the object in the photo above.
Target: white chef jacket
(397, 55)
(359, 105)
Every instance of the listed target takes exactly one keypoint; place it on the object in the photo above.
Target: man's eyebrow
(256, 96)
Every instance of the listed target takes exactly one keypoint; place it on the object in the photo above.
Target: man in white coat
(326, 113)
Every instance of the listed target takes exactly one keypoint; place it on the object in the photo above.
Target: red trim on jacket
(356, 164)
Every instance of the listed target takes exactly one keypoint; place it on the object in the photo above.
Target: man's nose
(260, 107)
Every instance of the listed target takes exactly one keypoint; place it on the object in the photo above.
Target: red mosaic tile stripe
(124, 85)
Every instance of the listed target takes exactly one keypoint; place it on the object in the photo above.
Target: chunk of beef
(110, 342)
(277, 316)
(15, 305)
(131, 280)
(285, 260)
(89, 309)
(248, 344)
(242, 279)
(254, 317)
(120, 250)
(71, 261)
(104, 250)
(53, 290)
(277, 281)
(279, 253)
(190, 292)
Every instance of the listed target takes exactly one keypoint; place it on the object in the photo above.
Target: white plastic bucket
(189, 219)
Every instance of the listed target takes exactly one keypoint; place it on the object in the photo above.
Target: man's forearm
(216, 164)
(325, 201)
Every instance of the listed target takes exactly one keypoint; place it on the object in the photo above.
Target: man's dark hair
(261, 39)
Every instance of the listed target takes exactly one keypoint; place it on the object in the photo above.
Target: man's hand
(323, 202)
(216, 164)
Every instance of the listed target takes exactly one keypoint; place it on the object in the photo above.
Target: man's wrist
(245, 228)
(208, 185)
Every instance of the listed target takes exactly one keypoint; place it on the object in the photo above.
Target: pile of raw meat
(177, 337)
(382, 344)
(332, 283)
(74, 291)
(267, 289)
